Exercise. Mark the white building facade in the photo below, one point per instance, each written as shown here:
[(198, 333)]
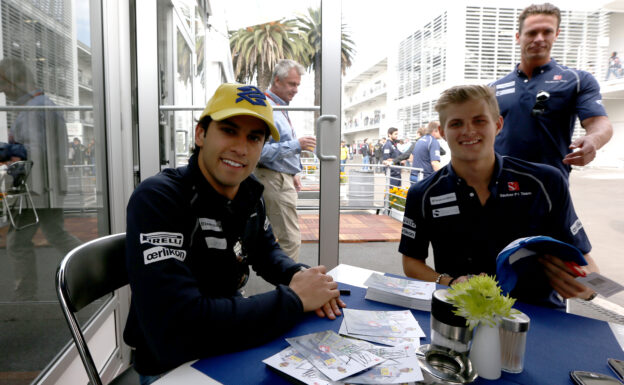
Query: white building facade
[(365, 104), (476, 44)]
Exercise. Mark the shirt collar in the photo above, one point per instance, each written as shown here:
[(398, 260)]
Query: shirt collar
[(544, 68), (276, 98), (22, 100), (498, 169)]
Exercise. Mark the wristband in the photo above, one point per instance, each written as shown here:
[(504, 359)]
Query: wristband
[(440, 277)]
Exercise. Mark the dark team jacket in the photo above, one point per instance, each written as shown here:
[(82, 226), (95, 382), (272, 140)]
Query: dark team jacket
[(187, 251)]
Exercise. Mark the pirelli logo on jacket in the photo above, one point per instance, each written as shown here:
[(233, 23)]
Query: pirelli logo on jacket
[(159, 253), (162, 238)]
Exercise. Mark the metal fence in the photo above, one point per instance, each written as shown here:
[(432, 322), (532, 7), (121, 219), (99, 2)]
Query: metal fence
[(362, 187), (82, 191)]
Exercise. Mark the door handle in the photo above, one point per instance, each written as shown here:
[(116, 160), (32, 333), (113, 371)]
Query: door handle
[(319, 151)]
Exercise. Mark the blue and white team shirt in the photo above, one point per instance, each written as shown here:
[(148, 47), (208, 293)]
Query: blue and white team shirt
[(526, 199), (426, 150), (545, 137)]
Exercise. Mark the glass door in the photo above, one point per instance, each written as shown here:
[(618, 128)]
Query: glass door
[(194, 56)]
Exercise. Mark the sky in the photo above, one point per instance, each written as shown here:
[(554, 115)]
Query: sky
[(83, 25)]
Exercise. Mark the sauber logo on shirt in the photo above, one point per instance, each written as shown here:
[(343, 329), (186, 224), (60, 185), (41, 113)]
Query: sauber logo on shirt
[(163, 238), (557, 77), (408, 233), (210, 224), (159, 253), (506, 91), (445, 211), (440, 199), (576, 227), (513, 186), (216, 243), (505, 85), (409, 222)]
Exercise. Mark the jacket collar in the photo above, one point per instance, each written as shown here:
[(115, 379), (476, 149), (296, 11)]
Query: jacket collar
[(249, 192)]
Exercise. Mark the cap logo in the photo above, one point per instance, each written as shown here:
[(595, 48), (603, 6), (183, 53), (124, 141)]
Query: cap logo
[(251, 94)]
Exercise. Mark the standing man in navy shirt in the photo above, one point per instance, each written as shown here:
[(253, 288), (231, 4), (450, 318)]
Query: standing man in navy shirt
[(541, 99), (390, 152), (426, 152), (480, 202)]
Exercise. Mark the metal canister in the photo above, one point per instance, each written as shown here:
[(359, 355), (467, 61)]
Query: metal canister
[(447, 328), (513, 335)]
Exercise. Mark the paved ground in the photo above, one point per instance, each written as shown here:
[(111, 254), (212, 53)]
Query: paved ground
[(355, 227), (598, 196)]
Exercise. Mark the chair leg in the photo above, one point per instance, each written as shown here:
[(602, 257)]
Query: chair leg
[(30, 202)]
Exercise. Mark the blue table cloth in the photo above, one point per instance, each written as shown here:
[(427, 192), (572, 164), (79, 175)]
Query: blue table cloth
[(557, 343)]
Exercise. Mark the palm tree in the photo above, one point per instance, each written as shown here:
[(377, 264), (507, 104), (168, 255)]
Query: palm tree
[(256, 50), (310, 25)]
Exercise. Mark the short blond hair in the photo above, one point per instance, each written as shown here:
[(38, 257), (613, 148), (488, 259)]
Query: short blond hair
[(462, 94)]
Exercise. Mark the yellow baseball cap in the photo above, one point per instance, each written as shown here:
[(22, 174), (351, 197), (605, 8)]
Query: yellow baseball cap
[(239, 99)]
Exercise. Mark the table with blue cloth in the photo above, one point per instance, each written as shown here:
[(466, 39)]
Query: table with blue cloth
[(557, 343)]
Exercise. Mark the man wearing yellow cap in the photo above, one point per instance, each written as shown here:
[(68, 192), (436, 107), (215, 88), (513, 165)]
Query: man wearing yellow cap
[(193, 232)]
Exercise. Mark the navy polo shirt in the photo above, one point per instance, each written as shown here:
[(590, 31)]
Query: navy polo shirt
[(545, 138), (526, 199), (426, 150)]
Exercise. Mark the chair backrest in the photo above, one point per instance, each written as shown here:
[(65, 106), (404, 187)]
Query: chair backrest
[(19, 171), (85, 274)]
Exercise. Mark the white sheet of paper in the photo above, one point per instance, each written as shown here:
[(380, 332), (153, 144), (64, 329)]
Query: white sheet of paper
[(399, 323), (601, 284), (290, 362), (335, 356), (401, 366), (390, 341), (405, 287)]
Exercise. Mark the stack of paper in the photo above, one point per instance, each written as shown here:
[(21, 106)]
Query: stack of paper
[(382, 327), (325, 358), (400, 292)]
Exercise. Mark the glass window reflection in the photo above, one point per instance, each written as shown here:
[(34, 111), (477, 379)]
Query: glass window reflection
[(47, 118)]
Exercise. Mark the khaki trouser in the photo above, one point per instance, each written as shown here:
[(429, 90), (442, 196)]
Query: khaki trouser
[(280, 198)]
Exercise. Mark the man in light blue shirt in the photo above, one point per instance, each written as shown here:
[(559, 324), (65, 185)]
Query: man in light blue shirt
[(280, 163)]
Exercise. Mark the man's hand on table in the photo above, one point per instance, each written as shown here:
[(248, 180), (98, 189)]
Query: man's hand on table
[(331, 309), (562, 278), (317, 291)]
